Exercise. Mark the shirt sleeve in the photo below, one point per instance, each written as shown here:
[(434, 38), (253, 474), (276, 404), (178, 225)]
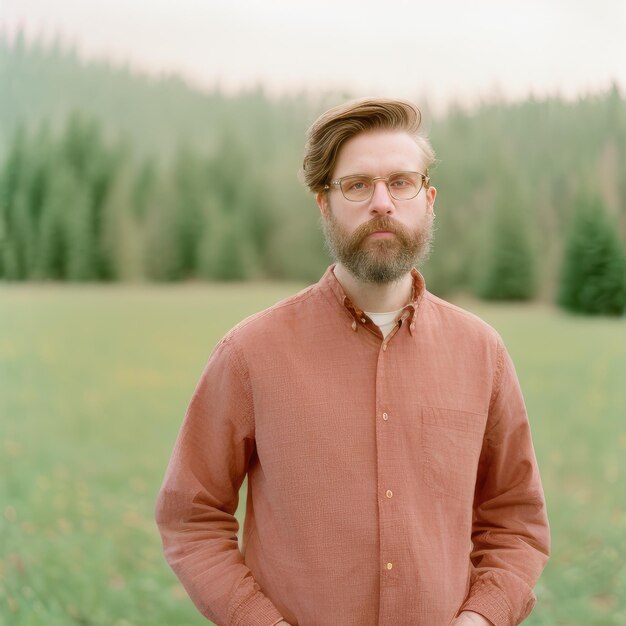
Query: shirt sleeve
[(199, 496), (510, 534)]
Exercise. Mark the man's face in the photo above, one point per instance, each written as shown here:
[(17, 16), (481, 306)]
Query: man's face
[(378, 240)]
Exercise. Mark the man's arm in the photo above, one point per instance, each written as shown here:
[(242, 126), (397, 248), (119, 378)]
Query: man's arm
[(196, 505), (510, 529)]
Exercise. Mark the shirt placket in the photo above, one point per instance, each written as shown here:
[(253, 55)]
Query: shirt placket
[(389, 494), (389, 484)]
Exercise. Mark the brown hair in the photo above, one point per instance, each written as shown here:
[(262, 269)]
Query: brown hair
[(331, 129)]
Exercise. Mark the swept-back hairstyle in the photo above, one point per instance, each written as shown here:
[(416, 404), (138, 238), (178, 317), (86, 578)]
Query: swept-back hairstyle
[(328, 133)]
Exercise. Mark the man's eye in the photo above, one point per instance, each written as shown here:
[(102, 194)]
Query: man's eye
[(358, 185), (399, 182)]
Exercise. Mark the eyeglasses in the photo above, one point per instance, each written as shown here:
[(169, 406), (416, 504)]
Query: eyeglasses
[(401, 185)]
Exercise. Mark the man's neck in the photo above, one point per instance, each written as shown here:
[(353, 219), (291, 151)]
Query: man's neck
[(372, 297)]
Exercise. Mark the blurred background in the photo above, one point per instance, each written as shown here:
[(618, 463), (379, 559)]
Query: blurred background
[(149, 200)]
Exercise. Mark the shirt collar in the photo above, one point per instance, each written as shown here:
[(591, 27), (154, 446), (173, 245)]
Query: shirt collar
[(332, 287)]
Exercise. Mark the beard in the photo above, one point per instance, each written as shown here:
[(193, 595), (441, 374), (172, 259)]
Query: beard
[(378, 260)]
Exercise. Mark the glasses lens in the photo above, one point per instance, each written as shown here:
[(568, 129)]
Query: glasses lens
[(357, 188), (405, 185)]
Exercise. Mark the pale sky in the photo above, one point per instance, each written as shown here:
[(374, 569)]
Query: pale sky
[(437, 51)]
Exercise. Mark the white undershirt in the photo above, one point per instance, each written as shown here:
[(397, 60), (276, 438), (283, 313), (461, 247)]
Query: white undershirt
[(385, 321)]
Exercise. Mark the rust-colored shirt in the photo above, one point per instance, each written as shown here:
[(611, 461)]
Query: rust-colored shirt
[(390, 482)]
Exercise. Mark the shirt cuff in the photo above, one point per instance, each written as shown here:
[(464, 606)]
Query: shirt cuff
[(489, 601), (503, 605), (495, 609), (256, 610)]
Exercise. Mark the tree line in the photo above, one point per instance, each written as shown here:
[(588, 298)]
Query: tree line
[(531, 203), (74, 208)]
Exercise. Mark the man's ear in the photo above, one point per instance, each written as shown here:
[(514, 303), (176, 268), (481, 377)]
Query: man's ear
[(322, 203), (431, 194)]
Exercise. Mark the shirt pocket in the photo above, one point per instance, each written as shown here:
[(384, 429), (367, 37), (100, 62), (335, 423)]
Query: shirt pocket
[(451, 444)]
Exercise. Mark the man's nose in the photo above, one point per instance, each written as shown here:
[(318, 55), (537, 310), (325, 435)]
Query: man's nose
[(381, 201)]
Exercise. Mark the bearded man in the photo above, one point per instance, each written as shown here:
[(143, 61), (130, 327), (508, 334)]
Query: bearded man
[(391, 472)]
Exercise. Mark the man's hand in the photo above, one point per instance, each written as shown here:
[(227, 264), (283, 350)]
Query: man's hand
[(469, 618)]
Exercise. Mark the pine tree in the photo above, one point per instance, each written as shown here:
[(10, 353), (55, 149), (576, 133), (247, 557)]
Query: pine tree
[(231, 257), (162, 257), (11, 189), (189, 189), (94, 167), (52, 249), (41, 158), (508, 272), (593, 273), (82, 261)]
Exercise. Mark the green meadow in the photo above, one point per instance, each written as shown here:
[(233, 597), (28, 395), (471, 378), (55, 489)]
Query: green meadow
[(94, 382)]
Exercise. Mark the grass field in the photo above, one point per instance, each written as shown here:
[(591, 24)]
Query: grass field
[(94, 382)]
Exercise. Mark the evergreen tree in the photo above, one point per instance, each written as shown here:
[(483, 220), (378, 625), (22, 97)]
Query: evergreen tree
[(144, 189), (11, 186), (121, 228), (508, 272), (189, 190), (593, 273), (228, 255), (23, 237), (94, 167), (53, 235), (161, 251), (82, 259), (239, 225), (41, 158)]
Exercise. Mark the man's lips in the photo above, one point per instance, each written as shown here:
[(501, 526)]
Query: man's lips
[(382, 233)]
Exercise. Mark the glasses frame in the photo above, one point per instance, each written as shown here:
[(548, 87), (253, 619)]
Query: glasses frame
[(337, 183)]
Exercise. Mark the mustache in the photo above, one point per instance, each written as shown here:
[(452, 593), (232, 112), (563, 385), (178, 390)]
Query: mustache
[(381, 223)]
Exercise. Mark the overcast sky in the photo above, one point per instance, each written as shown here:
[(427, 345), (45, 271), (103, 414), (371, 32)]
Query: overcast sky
[(439, 51)]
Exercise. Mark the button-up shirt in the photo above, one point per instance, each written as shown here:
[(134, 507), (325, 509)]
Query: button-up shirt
[(390, 480)]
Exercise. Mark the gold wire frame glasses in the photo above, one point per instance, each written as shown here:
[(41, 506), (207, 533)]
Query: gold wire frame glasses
[(401, 185)]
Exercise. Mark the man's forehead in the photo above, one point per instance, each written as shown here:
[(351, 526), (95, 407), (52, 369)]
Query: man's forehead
[(373, 152)]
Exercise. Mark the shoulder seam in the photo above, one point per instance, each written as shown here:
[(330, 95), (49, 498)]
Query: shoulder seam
[(436, 301), (290, 301)]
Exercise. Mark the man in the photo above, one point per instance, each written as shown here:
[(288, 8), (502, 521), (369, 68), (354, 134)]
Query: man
[(391, 474)]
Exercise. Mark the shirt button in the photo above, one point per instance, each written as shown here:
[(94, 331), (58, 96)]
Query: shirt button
[(412, 326), (363, 320), (389, 565), (353, 325), (384, 347), (385, 416), (389, 493)]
